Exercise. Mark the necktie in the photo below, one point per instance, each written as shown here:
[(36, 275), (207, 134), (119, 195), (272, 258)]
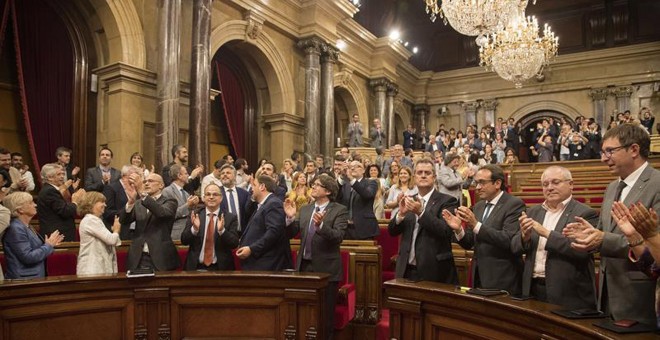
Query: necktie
[(619, 190), (489, 206), (208, 241), (311, 230), (412, 258), (232, 206), (183, 194), (350, 205)]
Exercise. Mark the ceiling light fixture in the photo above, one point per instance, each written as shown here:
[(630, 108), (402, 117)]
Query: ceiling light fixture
[(517, 53), (475, 17)]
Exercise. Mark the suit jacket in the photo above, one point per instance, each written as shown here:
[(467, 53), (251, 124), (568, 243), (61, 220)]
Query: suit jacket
[(115, 200), (354, 132), (182, 211), (325, 242), (190, 187), (222, 244), (25, 252), (433, 251), (365, 224), (153, 225), (243, 198), (55, 213), (569, 274), (629, 291), (408, 139), (266, 236), (94, 178), (450, 182), (97, 253), (497, 267), (377, 137)]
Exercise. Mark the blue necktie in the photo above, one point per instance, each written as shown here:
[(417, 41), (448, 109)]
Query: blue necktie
[(232, 207), (311, 230), (489, 206)]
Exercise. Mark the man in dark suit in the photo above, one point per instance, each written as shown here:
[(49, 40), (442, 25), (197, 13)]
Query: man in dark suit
[(357, 194), (97, 178), (211, 235), (54, 212), (624, 291), (322, 226), (180, 156), (269, 169), (235, 199), (153, 214), (409, 137), (115, 200), (63, 155), (554, 272), (264, 244), (489, 231), (425, 250)]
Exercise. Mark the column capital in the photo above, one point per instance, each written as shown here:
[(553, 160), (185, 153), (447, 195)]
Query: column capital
[(470, 106), (421, 109), (392, 90), (489, 104), (329, 53), (622, 91), (380, 84), (599, 93), (311, 45)]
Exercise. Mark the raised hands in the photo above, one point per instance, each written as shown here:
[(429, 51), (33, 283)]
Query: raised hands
[(467, 216), (318, 218), (194, 218), (116, 226), (192, 201), (197, 171), (636, 219), (289, 208), (452, 220), (55, 238), (221, 223), (585, 236)]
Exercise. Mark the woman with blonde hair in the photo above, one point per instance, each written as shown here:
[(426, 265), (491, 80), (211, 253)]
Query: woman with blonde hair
[(287, 171), (97, 245), (301, 194), (25, 250), (404, 187)]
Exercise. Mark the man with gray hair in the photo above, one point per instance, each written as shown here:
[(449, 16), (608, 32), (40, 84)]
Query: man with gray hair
[(554, 272), (450, 182), (115, 200), (54, 212), (185, 202)]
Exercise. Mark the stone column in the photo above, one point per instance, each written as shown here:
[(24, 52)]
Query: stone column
[(328, 60), (312, 47), (421, 111), (489, 106), (167, 86), (622, 94), (470, 113), (380, 89), (392, 91), (599, 99), (200, 84)]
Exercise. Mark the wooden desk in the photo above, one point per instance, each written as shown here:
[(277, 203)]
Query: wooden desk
[(428, 310), (168, 306)]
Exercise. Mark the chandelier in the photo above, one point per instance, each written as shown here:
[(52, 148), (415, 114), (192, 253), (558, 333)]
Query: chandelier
[(475, 17), (517, 52)]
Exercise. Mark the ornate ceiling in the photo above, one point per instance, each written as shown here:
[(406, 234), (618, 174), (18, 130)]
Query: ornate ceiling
[(581, 25)]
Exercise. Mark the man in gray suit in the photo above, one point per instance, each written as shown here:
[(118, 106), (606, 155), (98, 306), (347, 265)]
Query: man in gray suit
[(354, 132), (489, 231), (185, 202), (153, 213), (98, 177), (555, 272), (322, 226), (377, 135), (451, 182), (624, 291)]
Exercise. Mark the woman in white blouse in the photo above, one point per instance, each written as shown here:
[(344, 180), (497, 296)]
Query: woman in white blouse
[(97, 245), (405, 186)]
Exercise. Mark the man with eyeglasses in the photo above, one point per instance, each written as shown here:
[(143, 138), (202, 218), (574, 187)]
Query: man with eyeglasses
[(624, 291), (357, 194), (153, 214), (185, 202), (236, 199), (425, 252), (554, 272), (490, 229), (322, 226), (210, 234)]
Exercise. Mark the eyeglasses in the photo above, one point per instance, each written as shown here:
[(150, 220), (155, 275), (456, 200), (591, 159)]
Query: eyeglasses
[(554, 182), (483, 182), (318, 185), (609, 151), (212, 194)]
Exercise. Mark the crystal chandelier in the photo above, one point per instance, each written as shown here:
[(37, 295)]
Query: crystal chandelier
[(517, 52), (475, 17)]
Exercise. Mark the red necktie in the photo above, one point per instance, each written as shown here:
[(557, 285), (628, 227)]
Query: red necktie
[(208, 244)]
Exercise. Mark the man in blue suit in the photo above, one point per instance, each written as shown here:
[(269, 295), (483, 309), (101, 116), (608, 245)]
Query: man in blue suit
[(235, 198), (264, 244)]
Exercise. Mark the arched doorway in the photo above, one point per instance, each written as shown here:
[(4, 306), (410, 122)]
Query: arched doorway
[(345, 108), (529, 124)]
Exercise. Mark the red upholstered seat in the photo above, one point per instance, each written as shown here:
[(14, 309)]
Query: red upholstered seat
[(383, 326), (345, 306), (3, 263), (62, 263), (121, 260), (390, 249)]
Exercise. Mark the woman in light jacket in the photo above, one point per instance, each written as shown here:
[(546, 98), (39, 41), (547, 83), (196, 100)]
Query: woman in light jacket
[(97, 245)]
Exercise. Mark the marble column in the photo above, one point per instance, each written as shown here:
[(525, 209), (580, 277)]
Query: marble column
[(167, 85), (599, 99), (392, 91), (200, 84), (622, 94), (328, 60), (380, 89), (312, 47), (470, 112), (489, 106)]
